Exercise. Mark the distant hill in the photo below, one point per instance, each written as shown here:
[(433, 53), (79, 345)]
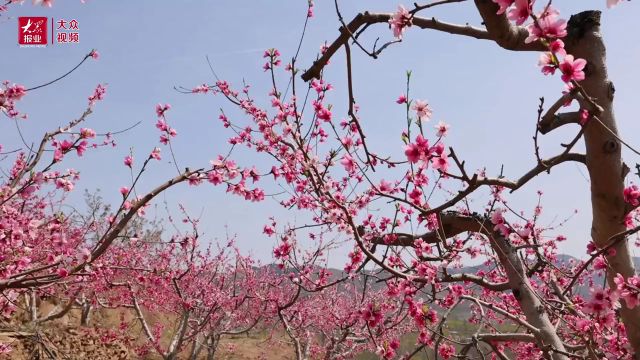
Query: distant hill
[(562, 259)]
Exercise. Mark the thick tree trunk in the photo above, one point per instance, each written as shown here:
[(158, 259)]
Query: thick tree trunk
[(32, 300), (604, 160), (85, 315), (178, 337), (212, 345), (534, 311), (196, 348)]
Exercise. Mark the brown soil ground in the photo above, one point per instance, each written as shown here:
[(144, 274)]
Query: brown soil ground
[(65, 339)]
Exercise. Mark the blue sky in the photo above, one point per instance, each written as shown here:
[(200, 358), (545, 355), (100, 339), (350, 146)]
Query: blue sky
[(488, 95)]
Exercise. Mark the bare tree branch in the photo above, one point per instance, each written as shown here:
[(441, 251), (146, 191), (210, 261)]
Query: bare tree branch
[(367, 19), (476, 280)]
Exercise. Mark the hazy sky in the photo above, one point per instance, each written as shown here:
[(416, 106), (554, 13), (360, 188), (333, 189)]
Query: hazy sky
[(488, 95)]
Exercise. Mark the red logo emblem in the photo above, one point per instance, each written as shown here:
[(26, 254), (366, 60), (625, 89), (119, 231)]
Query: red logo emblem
[(32, 30)]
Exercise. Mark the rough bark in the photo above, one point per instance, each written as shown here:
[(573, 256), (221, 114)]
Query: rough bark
[(534, 311), (604, 160)]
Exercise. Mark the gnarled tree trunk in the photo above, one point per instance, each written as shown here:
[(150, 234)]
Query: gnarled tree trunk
[(604, 160)]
